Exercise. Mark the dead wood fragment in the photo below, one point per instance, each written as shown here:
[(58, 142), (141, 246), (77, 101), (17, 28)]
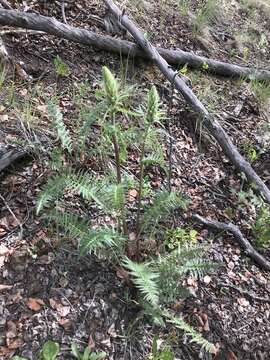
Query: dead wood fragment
[(211, 124), (10, 157), (239, 237), (174, 57), (5, 4), (246, 293)]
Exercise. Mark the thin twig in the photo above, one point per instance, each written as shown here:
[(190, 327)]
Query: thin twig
[(13, 215), (170, 135), (244, 292), (63, 5), (242, 241)]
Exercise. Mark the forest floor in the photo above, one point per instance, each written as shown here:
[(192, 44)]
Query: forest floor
[(46, 290)]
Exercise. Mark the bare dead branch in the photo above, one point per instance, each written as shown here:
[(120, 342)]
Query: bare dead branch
[(174, 57), (5, 4), (211, 124), (239, 237), (11, 157)]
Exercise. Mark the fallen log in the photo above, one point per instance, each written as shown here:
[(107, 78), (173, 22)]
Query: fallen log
[(211, 124), (7, 158), (242, 241), (174, 57)]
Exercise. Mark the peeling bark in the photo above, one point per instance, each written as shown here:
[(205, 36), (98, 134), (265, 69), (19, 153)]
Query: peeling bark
[(174, 57)]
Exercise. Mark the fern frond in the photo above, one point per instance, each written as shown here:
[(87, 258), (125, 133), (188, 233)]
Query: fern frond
[(153, 159), (197, 267), (56, 162), (62, 131), (114, 195), (174, 266), (90, 240), (89, 117), (51, 191), (111, 86), (153, 105), (145, 279), (189, 331), (164, 203), (97, 239)]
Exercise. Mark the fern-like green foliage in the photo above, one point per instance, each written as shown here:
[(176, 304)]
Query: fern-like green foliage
[(88, 117), (164, 203), (153, 105), (160, 282), (52, 190), (189, 331), (111, 86), (62, 131), (90, 240), (145, 279), (172, 267)]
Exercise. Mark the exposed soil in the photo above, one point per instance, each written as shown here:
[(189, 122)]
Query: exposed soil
[(47, 291)]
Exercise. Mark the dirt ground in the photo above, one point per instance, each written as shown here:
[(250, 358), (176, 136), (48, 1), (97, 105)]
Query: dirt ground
[(46, 290)]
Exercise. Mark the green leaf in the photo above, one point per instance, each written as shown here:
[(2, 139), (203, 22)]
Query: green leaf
[(98, 356), (50, 191), (153, 104), (86, 354), (75, 351), (188, 330), (62, 131), (50, 350), (18, 358), (145, 279)]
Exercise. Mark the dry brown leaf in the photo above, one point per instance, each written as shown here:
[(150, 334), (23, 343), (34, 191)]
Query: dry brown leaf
[(15, 344), (243, 301), (35, 304), (231, 356), (4, 350), (62, 310), (132, 195), (122, 273), (11, 330), (4, 250), (65, 323), (91, 343)]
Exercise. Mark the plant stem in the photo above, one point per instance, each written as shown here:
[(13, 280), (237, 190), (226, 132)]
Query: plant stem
[(118, 174), (117, 159), (138, 224), (170, 139)]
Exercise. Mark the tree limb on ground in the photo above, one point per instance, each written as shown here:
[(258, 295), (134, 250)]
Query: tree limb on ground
[(239, 237), (10, 157), (174, 57), (211, 124), (246, 293)]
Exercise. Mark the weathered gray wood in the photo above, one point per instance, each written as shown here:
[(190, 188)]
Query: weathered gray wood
[(206, 119), (242, 241), (10, 157), (108, 43)]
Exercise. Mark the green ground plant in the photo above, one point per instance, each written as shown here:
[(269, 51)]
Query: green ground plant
[(184, 7), (159, 278), (179, 237), (164, 353), (260, 227), (51, 350), (261, 91), (207, 14)]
